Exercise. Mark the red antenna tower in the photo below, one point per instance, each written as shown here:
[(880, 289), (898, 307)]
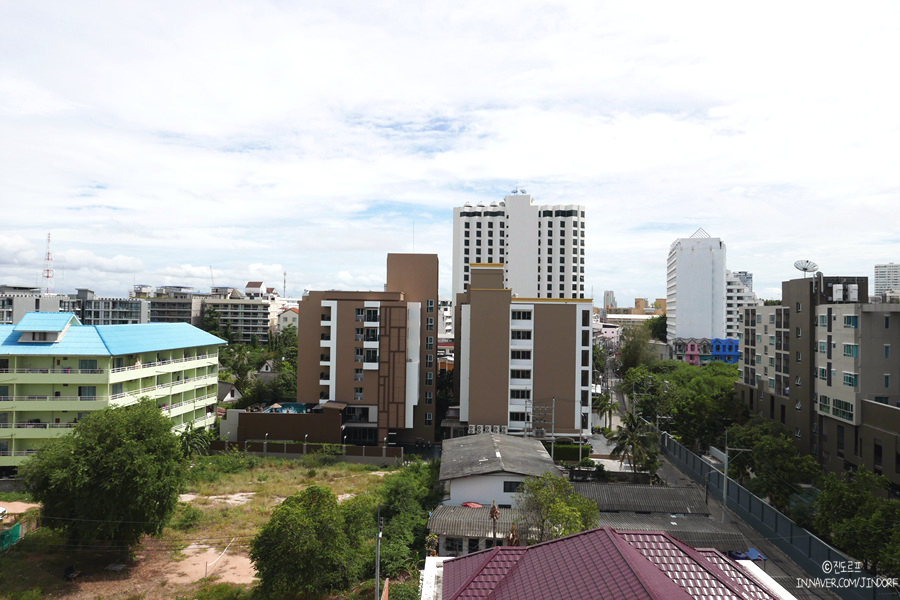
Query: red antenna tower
[(48, 268)]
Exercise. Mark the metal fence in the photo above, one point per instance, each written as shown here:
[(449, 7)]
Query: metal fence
[(804, 548)]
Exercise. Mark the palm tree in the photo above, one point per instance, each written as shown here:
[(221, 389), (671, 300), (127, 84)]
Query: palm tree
[(635, 441)]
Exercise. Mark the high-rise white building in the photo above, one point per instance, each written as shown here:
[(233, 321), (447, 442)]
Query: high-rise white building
[(704, 299), (541, 247), (887, 277), (696, 287), (738, 296)]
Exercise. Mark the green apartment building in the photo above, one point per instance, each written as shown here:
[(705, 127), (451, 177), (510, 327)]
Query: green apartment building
[(54, 371)]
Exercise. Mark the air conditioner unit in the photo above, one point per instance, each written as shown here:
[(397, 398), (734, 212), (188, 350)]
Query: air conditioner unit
[(496, 429), (479, 429), (471, 429), (540, 432), (504, 429)]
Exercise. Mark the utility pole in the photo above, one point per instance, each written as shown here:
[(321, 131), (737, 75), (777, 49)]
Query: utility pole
[(553, 432), (378, 555), (725, 484)]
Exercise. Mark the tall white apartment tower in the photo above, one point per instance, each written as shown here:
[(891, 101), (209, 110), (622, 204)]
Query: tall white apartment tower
[(696, 287), (887, 277), (738, 296), (541, 247)]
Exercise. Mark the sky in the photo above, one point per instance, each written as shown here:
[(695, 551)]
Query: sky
[(181, 143)]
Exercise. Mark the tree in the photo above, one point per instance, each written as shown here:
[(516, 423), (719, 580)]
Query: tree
[(774, 462), (551, 508), (194, 441), (115, 477), (635, 441), (635, 348), (598, 362), (304, 548), (657, 326)]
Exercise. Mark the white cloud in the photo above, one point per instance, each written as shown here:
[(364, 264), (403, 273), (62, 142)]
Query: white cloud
[(261, 137)]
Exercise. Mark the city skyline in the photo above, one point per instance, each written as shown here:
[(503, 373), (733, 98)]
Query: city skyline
[(156, 141)]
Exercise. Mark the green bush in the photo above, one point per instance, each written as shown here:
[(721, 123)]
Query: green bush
[(186, 516), (568, 452)]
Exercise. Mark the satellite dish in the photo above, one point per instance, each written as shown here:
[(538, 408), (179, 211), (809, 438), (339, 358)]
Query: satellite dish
[(807, 266)]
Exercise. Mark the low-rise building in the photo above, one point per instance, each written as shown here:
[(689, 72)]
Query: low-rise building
[(54, 370), (490, 467)]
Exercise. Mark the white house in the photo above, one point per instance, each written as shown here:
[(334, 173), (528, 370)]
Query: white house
[(489, 467)]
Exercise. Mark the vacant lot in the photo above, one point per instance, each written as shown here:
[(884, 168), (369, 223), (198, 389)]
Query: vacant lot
[(225, 502)]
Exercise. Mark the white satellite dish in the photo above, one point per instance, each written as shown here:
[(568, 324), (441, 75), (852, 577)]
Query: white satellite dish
[(807, 266)]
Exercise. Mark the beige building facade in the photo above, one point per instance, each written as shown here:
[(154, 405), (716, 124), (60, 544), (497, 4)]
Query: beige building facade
[(372, 354), (522, 364)]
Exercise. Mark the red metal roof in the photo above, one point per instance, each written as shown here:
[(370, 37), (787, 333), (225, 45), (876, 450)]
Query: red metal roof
[(601, 563)]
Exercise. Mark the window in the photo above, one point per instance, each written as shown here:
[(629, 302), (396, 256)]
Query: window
[(520, 354), (520, 394), (799, 332), (429, 343), (799, 356), (87, 365), (520, 334), (851, 379), (887, 350), (823, 320), (851, 321), (823, 373), (511, 487), (822, 348), (887, 321), (843, 409), (371, 355), (87, 392), (429, 419), (824, 404), (521, 315), (887, 380), (520, 374), (429, 397), (798, 381), (429, 378), (430, 306), (429, 360), (116, 389), (429, 324), (4, 391), (453, 546), (851, 350), (771, 340), (799, 307), (517, 416)]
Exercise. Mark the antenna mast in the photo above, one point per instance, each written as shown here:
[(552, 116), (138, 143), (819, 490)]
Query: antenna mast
[(284, 287), (48, 269)]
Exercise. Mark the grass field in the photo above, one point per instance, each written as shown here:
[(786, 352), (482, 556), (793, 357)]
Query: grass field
[(234, 497)]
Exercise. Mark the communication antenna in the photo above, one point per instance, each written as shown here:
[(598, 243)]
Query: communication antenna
[(284, 287), (807, 266), (48, 269)]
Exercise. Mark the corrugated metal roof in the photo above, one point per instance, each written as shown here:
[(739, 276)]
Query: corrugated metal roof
[(493, 453), (45, 321), (461, 521), (612, 497), (109, 340), (698, 532)]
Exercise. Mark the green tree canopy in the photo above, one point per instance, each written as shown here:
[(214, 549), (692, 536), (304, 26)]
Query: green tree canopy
[(116, 477), (305, 547), (657, 326), (551, 509), (635, 348), (774, 463)]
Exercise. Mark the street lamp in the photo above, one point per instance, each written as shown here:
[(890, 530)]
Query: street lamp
[(266, 443), (345, 444), (725, 484), (305, 436)]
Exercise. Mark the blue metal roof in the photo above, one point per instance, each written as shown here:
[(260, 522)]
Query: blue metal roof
[(46, 321), (108, 340)]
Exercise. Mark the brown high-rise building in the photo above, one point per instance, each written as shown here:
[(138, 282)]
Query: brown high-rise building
[(824, 364), (523, 365), (372, 354)]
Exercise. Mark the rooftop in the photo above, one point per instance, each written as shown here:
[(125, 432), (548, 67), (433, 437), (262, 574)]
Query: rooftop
[(494, 453), (102, 340), (601, 563), (612, 497)]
